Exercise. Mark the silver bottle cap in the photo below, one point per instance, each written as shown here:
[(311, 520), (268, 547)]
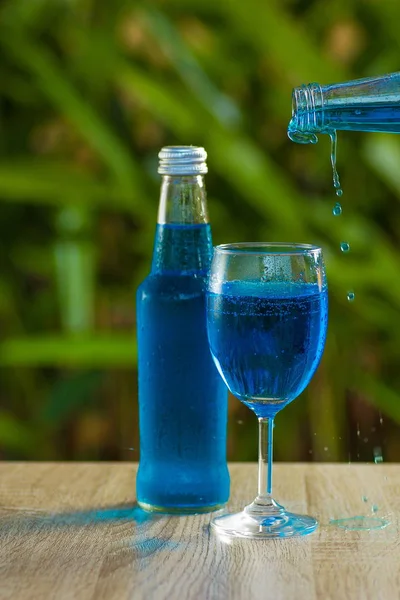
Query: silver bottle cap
[(182, 160)]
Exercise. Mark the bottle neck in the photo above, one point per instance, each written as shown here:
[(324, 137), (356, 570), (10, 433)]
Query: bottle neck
[(307, 114), (183, 200), (183, 244)]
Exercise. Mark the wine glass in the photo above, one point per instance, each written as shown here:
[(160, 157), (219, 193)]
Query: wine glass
[(267, 314)]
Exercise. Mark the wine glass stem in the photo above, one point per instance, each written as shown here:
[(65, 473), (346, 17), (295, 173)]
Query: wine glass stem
[(265, 439)]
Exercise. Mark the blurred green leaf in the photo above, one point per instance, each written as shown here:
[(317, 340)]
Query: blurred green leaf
[(220, 106), (382, 153), (14, 434), (169, 107), (117, 350), (70, 395), (56, 87), (381, 395), (269, 28), (52, 182)]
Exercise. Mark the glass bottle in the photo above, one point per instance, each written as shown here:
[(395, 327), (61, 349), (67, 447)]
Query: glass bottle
[(182, 398), (370, 104)]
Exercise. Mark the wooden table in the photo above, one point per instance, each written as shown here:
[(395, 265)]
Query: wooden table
[(73, 531)]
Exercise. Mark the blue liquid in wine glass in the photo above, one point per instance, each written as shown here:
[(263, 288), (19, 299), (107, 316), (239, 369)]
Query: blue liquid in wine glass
[(267, 339)]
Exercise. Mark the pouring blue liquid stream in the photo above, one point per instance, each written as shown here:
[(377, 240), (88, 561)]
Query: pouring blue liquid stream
[(372, 105)]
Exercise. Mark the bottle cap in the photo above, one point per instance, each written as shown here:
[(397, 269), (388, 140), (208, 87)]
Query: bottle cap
[(182, 160)]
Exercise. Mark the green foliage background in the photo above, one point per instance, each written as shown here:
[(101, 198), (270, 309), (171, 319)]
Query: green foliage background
[(90, 90)]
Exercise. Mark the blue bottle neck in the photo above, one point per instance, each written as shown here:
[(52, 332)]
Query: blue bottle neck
[(183, 244), (371, 104)]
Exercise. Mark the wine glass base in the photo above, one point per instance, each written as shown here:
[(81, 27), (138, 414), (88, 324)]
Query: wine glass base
[(242, 525)]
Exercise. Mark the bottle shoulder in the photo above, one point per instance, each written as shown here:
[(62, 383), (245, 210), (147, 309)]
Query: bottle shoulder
[(172, 284)]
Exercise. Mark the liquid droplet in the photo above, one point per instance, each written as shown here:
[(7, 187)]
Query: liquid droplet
[(374, 508), (378, 458), (358, 112), (337, 209), (339, 192), (300, 137), (364, 498), (350, 296), (345, 247)]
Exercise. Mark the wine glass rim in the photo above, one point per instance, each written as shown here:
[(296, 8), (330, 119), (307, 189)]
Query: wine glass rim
[(267, 248)]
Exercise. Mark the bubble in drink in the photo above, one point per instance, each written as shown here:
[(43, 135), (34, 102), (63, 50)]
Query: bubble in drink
[(345, 247), (350, 296)]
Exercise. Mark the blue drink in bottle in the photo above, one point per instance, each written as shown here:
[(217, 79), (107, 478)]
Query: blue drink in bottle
[(182, 398)]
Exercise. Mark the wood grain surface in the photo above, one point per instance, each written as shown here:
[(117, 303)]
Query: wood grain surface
[(73, 531)]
